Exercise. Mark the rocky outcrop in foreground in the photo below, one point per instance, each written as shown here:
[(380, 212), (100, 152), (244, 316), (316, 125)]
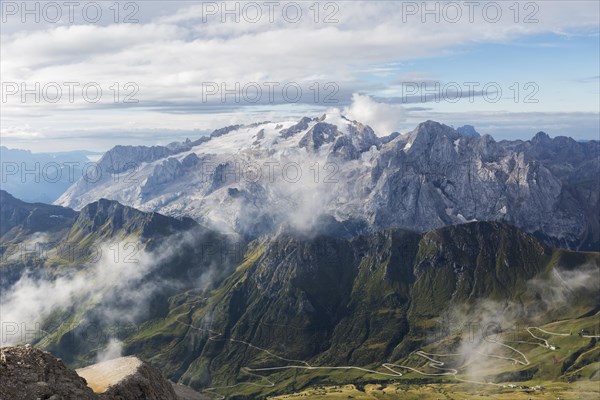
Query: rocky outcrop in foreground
[(28, 373), (127, 378)]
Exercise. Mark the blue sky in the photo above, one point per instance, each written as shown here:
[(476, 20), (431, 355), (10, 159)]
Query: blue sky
[(565, 68), (175, 50)]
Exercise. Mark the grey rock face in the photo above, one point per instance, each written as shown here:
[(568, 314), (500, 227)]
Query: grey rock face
[(224, 131), (190, 161), (299, 127), (27, 373), (165, 172), (124, 158), (344, 149), (318, 135), (443, 178), (362, 136), (468, 130), (424, 179)]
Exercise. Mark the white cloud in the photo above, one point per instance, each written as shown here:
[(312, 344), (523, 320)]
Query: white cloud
[(383, 118), (114, 349), (171, 54), (170, 61), (20, 132)]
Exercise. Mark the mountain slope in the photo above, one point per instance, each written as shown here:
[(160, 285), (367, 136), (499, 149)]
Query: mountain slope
[(18, 218), (107, 267), (331, 303), (291, 310), (45, 234)]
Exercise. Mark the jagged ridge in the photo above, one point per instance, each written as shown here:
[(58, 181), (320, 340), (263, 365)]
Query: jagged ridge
[(421, 180)]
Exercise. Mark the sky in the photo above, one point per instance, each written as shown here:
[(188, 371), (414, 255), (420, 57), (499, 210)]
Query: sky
[(93, 75)]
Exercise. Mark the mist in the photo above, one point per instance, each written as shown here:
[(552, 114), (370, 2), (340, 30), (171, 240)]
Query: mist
[(119, 288), (114, 349), (488, 330)]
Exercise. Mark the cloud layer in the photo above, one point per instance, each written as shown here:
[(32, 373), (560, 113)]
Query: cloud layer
[(172, 55)]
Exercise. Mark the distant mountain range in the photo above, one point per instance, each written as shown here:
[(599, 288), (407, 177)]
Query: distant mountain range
[(41, 176), (254, 179)]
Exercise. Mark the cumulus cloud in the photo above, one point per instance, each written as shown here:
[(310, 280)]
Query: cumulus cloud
[(383, 118)]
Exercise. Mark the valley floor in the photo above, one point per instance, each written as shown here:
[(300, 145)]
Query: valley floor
[(553, 391)]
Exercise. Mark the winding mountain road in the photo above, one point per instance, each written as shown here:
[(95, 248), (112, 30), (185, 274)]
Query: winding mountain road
[(392, 369)]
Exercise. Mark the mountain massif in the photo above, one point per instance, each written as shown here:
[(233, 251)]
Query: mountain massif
[(253, 179)]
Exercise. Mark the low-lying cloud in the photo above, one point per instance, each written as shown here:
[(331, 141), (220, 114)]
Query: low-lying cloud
[(489, 330), (118, 288)]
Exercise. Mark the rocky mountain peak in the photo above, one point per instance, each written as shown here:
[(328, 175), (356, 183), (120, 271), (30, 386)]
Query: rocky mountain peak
[(318, 135), (432, 129), (111, 216), (31, 217), (427, 178), (102, 211), (541, 137), (468, 130), (298, 127)]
